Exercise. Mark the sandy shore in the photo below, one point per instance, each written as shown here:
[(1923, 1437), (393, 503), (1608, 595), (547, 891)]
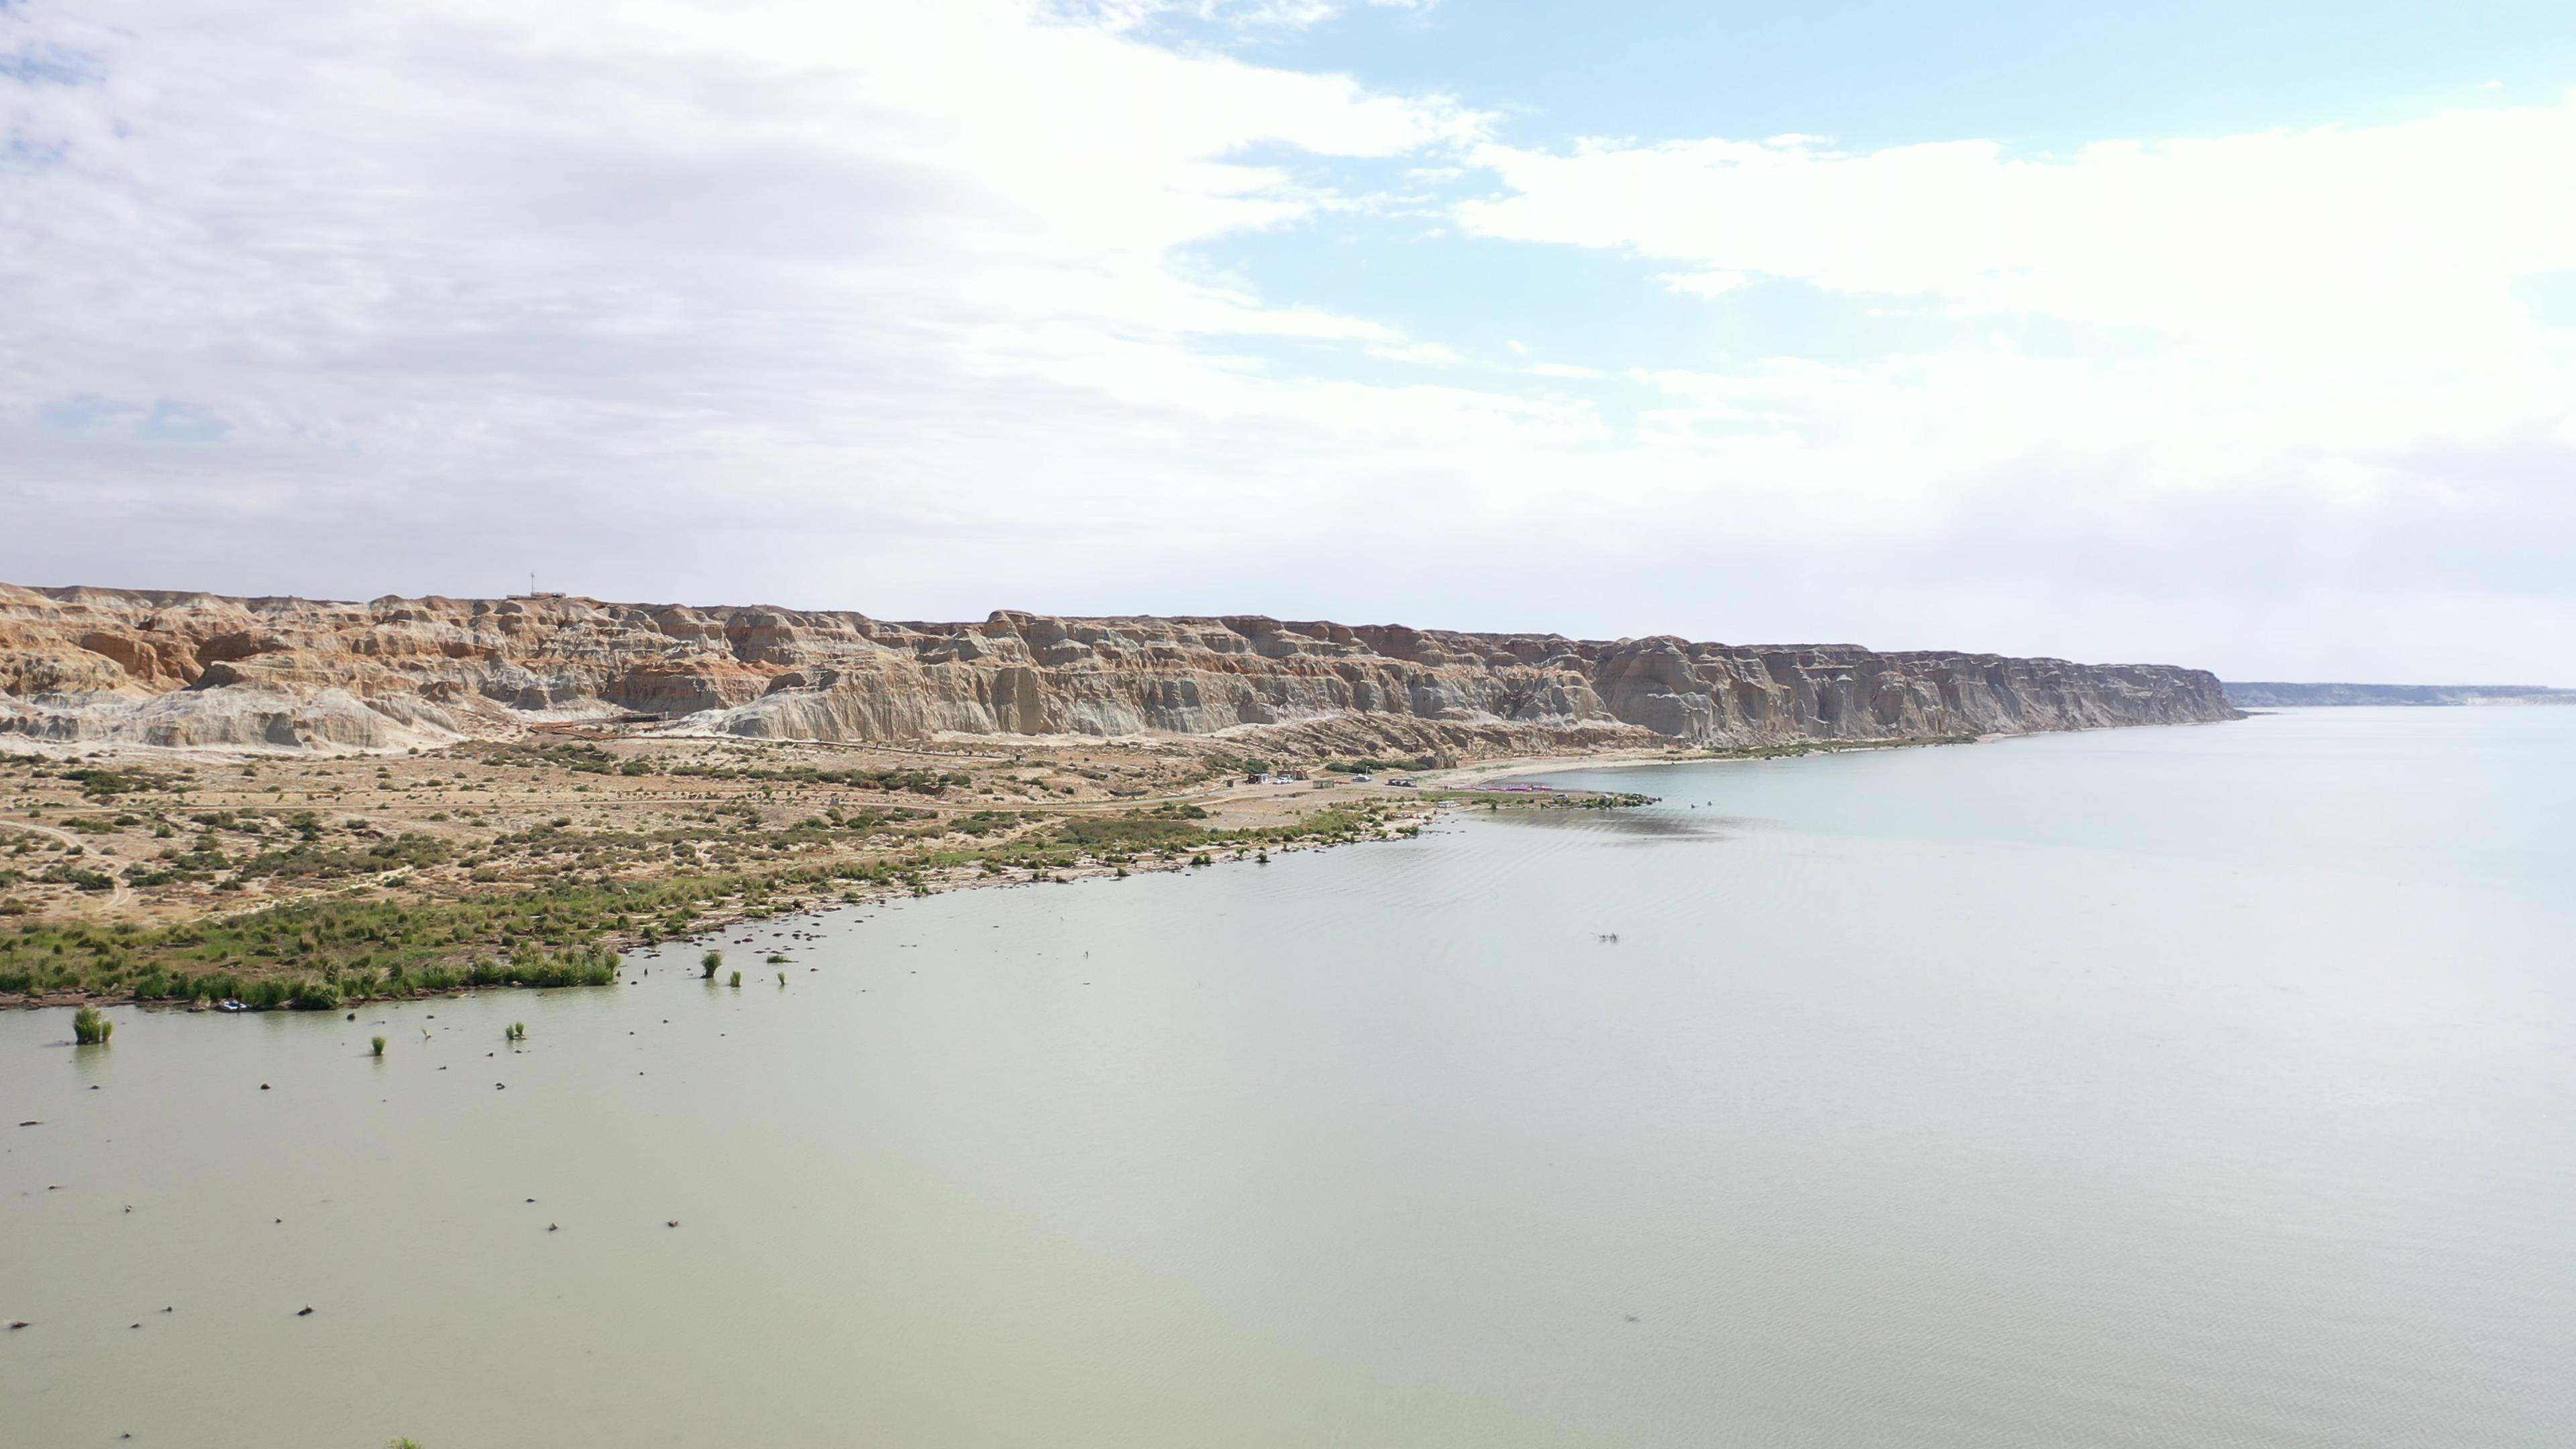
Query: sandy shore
[(127, 865)]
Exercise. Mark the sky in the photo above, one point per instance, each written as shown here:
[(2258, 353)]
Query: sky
[(2232, 335)]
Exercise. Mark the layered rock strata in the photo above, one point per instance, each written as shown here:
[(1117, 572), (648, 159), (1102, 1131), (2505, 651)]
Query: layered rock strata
[(185, 669)]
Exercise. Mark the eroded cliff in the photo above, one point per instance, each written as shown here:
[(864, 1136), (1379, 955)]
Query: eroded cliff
[(186, 669)]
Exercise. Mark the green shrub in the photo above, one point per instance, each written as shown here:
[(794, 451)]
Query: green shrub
[(91, 1029), (378, 1043), (1132, 831)]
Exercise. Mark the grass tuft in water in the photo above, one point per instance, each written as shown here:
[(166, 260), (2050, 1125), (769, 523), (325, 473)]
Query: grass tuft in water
[(91, 1029), (709, 962), (314, 996), (378, 1043), (518, 1032), (736, 981)]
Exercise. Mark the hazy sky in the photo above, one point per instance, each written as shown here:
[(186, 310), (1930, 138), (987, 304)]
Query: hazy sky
[(2233, 334)]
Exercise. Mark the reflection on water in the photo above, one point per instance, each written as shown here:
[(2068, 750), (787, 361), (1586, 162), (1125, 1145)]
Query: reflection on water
[(1621, 825), (2181, 1087)]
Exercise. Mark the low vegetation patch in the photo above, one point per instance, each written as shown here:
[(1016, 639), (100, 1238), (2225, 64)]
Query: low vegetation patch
[(101, 784), (918, 782), (270, 895)]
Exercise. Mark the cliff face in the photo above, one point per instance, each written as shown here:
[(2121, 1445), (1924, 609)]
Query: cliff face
[(115, 665)]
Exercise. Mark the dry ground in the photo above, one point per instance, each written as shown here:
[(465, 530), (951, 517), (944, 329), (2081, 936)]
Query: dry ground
[(182, 875)]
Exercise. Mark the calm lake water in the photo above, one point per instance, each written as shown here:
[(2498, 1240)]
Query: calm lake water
[(2199, 1087)]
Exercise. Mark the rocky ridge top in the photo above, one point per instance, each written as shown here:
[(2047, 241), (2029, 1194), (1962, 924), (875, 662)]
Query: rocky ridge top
[(180, 669)]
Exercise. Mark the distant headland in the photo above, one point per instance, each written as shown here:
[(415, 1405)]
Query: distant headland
[(2245, 694)]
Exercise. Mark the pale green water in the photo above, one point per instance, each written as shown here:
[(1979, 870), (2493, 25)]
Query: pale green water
[(2160, 1087)]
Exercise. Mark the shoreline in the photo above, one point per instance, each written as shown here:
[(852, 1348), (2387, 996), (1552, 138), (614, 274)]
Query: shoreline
[(1516, 767), (1407, 817), (1794, 749), (558, 925)]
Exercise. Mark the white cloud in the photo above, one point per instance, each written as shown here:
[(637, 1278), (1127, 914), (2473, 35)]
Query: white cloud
[(1702, 284), (459, 240), (899, 307), (1421, 354), (1132, 15), (2390, 238)]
